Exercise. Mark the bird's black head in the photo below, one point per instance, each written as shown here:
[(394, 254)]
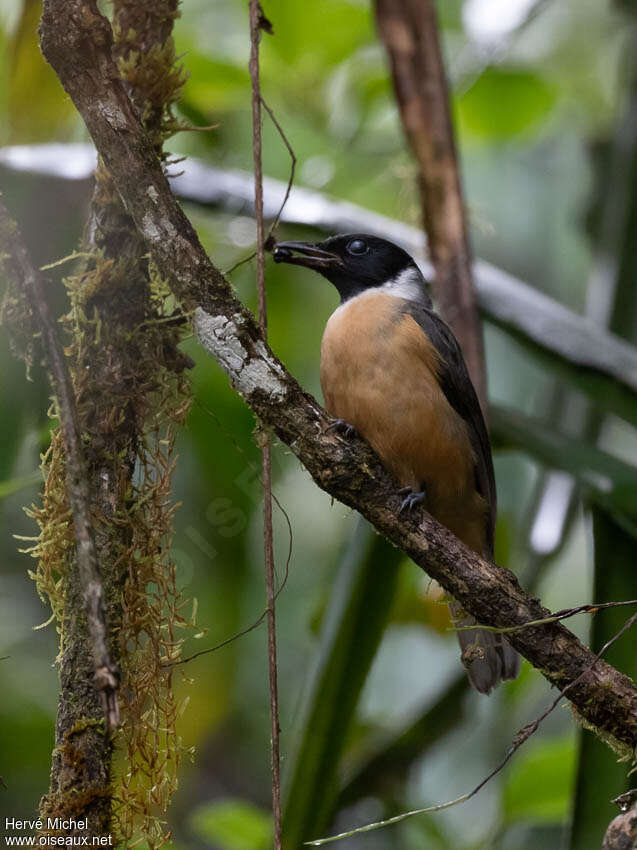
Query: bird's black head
[(356, 262)]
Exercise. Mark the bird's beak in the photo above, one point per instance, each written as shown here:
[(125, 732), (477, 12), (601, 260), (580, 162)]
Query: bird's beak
[(305, 254)]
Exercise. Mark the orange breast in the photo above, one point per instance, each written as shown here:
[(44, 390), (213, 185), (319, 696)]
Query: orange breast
[(379, 373)]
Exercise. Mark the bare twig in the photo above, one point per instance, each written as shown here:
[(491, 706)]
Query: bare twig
[(210, 649), (625, 800), (260, 618), (564, 614), (28, 279), (522, 736), (76, 39), (410, 33), (290, 183), (257, 20), (277, 218)]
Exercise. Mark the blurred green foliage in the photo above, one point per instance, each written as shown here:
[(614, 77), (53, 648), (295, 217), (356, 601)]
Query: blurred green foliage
[(529, 99), (233, 825), (501, 104), (542, 785)]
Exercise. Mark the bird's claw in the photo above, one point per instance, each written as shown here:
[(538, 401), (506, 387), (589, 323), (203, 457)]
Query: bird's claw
[(342, 427), (411, 499)]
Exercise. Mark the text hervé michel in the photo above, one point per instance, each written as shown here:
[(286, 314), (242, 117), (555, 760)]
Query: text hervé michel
[(54, 825)]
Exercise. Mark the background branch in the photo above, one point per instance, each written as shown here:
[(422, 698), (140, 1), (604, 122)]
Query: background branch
[(409, 30), (76, 40), (595, 361), (26, 278)]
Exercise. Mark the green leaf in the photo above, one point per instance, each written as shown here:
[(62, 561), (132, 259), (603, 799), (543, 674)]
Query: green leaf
[(503, 103), (354, 624), (391, 760), (50, 113), (215, 85), (450, 14), (343, 28), (233, 824), (540, 786)]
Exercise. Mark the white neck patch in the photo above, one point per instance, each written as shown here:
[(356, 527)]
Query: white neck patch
[(408, 284)]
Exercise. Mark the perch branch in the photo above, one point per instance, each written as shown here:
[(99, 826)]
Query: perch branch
[(27, 279), (76, 40)]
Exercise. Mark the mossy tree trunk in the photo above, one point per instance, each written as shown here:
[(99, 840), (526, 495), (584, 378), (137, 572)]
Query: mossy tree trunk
[(124, 364)]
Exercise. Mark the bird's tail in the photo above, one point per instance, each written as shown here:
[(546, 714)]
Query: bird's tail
[(488, 657)]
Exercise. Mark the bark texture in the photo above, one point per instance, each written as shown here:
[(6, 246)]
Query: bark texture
[(26, 278), (96, 695), (622, 832), (76, 39), (116, 370)]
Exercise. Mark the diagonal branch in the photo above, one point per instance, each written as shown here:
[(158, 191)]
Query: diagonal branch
[(76, 40), (27, 279)]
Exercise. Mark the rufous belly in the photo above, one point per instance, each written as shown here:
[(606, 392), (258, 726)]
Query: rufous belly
[(379, 373)]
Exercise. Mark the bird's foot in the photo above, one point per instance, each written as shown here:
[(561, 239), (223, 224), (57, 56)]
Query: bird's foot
[(412, 498), (342, 427)]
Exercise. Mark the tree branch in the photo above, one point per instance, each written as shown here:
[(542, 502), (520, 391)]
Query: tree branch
[(622, 830), (25, 278), (595, 361), (76, 39), (410, 32)]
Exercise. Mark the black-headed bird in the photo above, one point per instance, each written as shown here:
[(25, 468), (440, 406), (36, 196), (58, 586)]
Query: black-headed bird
[(392, 370)]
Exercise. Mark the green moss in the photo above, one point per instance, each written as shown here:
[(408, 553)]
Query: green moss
[(122, 330), (622, 750), (86, 723)]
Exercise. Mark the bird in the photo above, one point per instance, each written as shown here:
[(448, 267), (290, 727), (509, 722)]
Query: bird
[(392, 371)]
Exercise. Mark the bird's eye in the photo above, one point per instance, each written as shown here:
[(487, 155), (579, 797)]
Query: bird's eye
[(357, 246)]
